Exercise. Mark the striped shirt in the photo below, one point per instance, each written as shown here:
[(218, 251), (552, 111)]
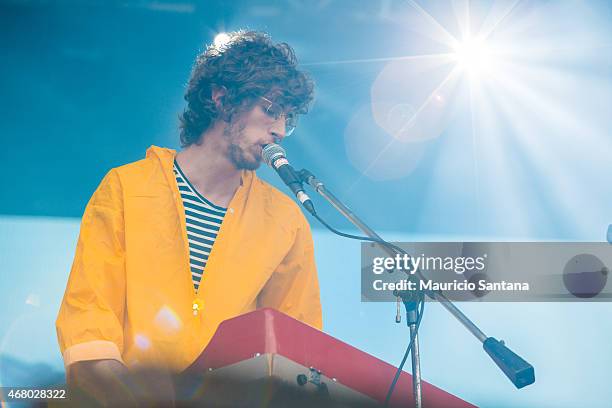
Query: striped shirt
[(203, 220)]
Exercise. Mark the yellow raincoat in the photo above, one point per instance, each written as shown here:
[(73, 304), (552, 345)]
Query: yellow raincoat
[(130, 294)]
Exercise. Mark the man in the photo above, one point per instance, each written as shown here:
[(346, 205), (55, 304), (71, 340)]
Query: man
[(172, 245)]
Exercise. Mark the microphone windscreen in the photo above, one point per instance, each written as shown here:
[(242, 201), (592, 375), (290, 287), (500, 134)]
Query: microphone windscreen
[(272, 151)]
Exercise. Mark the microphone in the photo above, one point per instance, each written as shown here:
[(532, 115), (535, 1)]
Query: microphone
[(275, 157)]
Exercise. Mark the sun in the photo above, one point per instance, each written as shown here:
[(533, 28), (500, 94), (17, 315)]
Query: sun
[(473, 55)]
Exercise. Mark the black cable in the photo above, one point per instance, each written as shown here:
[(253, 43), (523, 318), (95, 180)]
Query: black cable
[(359, 237), (407, 353)]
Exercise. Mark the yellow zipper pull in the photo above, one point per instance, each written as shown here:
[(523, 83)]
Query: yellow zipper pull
[(197, 306)]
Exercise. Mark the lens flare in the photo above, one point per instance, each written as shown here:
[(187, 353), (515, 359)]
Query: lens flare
[(142, 341), (167, 320), (221, 39)]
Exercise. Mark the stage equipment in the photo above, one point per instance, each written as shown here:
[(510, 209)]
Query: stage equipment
[(276, 157), (268, 359), (519, 371)]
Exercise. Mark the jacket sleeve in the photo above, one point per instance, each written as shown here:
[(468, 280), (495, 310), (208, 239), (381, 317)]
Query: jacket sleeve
[(90, 321), (293, 287)]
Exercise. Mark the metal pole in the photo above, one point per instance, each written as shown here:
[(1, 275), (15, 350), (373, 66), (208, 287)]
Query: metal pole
[(412, 317), (416, 369)]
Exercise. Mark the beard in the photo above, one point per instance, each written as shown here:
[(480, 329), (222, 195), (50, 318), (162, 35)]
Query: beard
[(243, 157)]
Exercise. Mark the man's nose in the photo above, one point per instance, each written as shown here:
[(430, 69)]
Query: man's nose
[(278, 129)]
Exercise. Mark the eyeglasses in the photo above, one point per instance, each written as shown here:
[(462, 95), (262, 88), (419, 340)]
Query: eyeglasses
[(275, 111)]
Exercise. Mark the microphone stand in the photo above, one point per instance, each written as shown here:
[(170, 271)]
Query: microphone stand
[(411, 303), (519, 371)]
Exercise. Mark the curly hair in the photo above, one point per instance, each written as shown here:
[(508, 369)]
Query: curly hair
[(248, 65)]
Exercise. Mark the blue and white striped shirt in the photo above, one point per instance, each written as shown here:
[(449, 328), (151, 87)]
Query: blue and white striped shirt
[(203, 220)]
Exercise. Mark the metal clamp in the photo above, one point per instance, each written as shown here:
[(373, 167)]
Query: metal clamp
[(314, 377)]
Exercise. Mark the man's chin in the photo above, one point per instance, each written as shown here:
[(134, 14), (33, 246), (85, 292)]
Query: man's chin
[(248, 165), (241, 162)]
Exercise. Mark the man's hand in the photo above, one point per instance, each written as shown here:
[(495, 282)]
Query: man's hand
[(102, 380), (110, 383)]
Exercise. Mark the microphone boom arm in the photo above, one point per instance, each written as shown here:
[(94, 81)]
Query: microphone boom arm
[(519, 371)]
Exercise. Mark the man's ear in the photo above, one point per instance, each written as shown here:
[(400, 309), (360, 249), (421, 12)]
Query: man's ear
[(218, 93)]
